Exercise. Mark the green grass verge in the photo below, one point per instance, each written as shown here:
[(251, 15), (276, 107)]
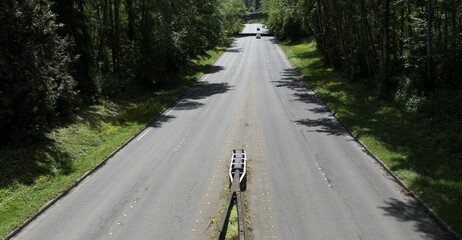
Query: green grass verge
[(233, 225), (34, 173), (422, 148)]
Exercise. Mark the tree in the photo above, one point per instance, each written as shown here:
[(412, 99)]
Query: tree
[(36, 84), (386, 46), (429, 83), (233, 14), (70, 14), (404, 47)]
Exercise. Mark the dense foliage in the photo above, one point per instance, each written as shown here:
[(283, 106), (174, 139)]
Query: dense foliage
[(57, 55), (252, 5), (407, 49), (34, 68), (231, 11)]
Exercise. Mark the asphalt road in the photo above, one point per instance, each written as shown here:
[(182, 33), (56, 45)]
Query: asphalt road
[(308, 179)]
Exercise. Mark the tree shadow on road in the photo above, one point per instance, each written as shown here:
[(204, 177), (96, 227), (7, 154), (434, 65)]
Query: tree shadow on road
[(412, 212), (413, 145), (187, 104), (201, 91), (161, 120), (205, 89), (214, 69), (324, 125), (234, 50), (291, 79)]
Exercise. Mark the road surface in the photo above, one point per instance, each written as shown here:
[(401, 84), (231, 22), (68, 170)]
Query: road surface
[(308, 178)]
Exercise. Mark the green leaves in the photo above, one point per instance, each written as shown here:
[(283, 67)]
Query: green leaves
[(232, 14), (36, 85), (57, 54), (380, 41)]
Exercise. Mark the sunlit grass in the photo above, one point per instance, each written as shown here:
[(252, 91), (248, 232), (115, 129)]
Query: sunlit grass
[(233, 224), (421, 150), (33, 173)]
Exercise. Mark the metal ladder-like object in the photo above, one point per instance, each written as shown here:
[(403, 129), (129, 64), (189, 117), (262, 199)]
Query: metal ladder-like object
[(238, 171)]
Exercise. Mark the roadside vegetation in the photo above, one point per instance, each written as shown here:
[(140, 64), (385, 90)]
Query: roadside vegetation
[(60, 56), (390, 70), (79, 78), (232, 232), (421, 146), (32, 173)]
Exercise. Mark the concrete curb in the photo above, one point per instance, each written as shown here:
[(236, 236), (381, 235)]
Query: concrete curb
[(106, 159), (451, 234)]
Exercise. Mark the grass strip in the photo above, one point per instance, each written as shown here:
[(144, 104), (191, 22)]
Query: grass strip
[(233, 228), (422, 148), (33, 173)]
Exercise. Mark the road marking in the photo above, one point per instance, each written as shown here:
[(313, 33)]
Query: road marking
[(221, 59), (206, 76), (149, 129)]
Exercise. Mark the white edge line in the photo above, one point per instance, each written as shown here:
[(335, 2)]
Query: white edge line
[(206, 76), (221, 59), (149, 129), (64, 193)]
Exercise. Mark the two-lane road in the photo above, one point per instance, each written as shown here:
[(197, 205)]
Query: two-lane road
[(308, 178)]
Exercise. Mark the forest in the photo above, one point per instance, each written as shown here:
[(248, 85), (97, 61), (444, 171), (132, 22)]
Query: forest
[(408, 50), (58, 56), (390, 71)]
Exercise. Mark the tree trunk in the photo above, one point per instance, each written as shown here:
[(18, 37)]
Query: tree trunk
[(454, 44), (341, 35), (114, 22), (386, 46), (429, 84), (102, 58), (321, 30), (366, 39), (402, 30), (131, 21), (115, 48), (409, 19)]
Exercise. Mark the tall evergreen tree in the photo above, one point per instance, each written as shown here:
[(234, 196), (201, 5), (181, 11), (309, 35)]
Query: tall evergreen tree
[(35, 60)]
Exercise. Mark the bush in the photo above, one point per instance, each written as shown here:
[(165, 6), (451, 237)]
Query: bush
[(408, 95)]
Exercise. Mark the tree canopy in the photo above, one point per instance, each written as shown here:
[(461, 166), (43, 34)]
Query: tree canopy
[(408, 49), (59, 54)]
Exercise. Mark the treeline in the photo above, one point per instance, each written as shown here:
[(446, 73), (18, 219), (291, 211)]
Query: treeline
[(408, 49), (58, 55), (252, 5)]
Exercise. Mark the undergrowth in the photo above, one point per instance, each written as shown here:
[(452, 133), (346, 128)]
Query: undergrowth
[(33, 173), (419, 139)]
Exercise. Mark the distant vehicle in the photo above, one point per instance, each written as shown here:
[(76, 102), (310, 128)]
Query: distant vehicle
[(258, 36), (258, 29)]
